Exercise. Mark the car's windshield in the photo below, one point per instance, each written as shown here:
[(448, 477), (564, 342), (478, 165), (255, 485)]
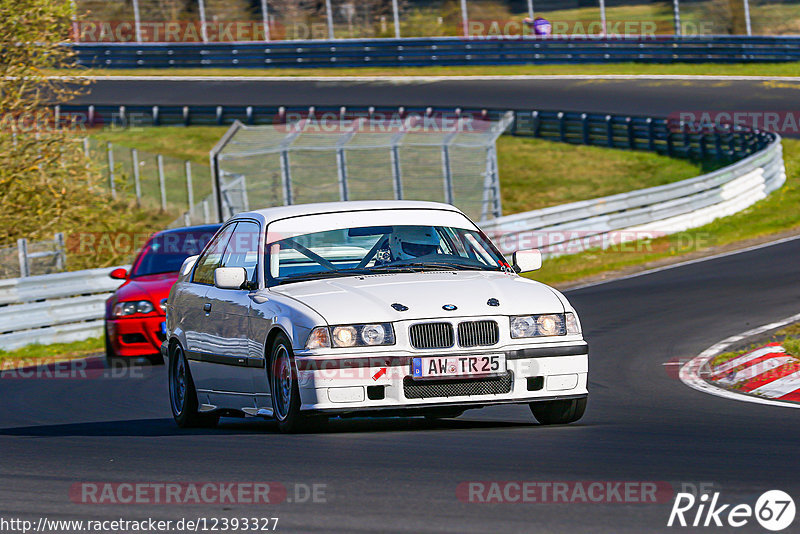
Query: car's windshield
[(374, 249), (165, 253)]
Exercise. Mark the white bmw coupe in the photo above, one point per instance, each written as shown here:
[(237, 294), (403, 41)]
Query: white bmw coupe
[(299, 313)]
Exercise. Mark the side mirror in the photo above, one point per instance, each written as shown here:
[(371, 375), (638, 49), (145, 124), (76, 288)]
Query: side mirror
[(230, 277), (525, 261), (119, 274)]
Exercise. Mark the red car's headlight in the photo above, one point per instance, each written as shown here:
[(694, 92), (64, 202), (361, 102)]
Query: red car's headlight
[(123, 309)]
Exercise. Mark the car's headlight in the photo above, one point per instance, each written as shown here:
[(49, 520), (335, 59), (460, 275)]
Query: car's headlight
[(551, 324), (122, 309), (356, 335)]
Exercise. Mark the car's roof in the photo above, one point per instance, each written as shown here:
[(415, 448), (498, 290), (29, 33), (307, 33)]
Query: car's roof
[(297, 210), (190, 229)]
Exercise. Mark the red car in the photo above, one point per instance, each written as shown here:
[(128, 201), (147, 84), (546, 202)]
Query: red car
[(135, 318)]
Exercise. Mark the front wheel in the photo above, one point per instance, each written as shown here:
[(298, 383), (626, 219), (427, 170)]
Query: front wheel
[(285, 391), (558, 412), (182, 394)]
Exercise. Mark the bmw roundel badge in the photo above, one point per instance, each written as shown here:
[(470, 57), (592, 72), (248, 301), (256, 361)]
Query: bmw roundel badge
[(449, 307)]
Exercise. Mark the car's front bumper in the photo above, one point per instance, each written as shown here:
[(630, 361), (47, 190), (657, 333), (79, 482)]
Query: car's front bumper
[(383, 382), (136, 336)]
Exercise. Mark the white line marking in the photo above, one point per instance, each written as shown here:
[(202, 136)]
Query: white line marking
[(779, 387), (690, 372), (756, 370), (415, 79)]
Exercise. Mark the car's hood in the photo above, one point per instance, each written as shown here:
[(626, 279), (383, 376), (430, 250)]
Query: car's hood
[(153, 287), (366, 299)]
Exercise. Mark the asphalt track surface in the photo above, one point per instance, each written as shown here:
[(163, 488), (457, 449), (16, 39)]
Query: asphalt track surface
[(657, 97), (401, 475)]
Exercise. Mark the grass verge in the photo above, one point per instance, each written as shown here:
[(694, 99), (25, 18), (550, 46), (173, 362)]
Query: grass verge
[(39, 354), (681, 69)]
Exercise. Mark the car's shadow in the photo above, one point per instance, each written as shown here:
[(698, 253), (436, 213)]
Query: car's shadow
[(166, 427)]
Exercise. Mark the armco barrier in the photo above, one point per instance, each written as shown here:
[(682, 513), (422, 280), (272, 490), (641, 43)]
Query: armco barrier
[(440, 51), (54, 308), (655, 211)]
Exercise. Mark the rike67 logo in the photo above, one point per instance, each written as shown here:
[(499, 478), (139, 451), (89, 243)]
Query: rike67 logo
[(774, 510)]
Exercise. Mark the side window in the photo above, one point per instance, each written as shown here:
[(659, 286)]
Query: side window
[(211, 259), (242, 249)]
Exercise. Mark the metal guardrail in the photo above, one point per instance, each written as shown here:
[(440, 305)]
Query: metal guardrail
[(646, 213), (55, 308), (440, 51)]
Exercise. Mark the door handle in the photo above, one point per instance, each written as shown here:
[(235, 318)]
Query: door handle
[(207, 307)]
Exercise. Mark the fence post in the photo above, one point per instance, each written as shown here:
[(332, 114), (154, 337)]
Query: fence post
[(609, 131), (286, 174), (397, 177), (189, 188), (206, 212), (562, 127), (447, 173), (137, 21), (161, 182), (537, 124), (110, 154), (464, 18), (22, 253), (329, 15), (265, 19), (137, 186), (203, 30), (396, 15), (603, 16), (631, 133), (651, 134), (747, 18), (676, 14), (585, 129), (61, 253), (341, 164)]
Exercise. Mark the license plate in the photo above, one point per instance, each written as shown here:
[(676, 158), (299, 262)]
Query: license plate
[(458, 366)]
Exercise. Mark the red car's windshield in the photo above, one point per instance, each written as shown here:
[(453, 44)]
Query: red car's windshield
[(165, 252)]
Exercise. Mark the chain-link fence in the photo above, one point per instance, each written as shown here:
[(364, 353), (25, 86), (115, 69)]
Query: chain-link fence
[(318, 159), (157, 182), (265, 20)]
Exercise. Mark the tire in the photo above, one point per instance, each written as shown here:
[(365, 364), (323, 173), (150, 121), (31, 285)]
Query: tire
[(285, 392), (182, 394), (558, 412)]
